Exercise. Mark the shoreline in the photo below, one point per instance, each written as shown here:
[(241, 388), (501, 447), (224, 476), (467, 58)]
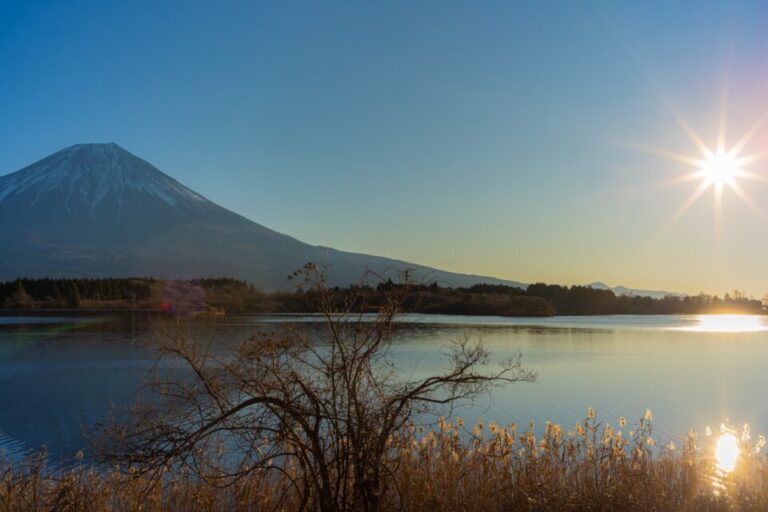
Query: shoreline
[(46, 312)]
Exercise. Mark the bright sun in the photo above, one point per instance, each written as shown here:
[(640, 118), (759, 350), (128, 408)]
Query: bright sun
[(717, 169), (720, 168)]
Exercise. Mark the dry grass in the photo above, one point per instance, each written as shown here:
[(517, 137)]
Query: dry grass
[(486, 468)]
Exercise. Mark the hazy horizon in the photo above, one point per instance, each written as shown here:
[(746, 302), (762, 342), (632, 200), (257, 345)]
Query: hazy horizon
[(508, 139)]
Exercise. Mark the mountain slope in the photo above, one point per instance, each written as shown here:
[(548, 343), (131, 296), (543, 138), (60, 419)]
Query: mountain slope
[(95, 210), (634, 292)]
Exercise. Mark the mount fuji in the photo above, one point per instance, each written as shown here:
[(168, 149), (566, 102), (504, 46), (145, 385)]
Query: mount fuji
[(96, 210)]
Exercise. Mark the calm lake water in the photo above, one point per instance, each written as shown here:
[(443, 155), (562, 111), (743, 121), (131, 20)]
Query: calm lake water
[(58, 376)]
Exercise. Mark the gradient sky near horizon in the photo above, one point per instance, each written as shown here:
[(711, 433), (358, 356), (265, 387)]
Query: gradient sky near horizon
[(495, 138)]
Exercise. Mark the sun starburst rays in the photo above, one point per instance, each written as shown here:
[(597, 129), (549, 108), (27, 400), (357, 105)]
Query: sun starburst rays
[(750, 202), (719, 168), (679, 213), (693, 136), (750, 134)]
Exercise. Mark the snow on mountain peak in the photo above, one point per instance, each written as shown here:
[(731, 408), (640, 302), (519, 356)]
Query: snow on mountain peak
[(89, 172)]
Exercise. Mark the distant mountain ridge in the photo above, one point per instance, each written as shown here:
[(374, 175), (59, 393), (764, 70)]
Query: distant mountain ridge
[(95, 210), (634, 292)]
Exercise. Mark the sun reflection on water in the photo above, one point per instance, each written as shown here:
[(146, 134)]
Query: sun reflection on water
[(727, 452), (727, 323)]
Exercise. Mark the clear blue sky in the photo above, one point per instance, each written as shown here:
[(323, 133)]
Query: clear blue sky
[(484, 137)]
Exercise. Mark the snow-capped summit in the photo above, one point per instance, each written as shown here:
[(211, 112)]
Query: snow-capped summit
[(97, 210), (92, 173)]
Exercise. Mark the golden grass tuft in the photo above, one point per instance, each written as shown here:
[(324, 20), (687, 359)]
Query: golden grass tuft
[(488, 467)]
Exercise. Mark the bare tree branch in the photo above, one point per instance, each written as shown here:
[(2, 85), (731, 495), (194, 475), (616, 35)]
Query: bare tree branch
[(320, 409)]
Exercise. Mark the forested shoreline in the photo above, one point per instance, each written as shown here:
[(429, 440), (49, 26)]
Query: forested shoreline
[(231, 296)]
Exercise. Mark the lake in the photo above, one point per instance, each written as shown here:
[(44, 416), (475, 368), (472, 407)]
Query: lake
[(61, 375)]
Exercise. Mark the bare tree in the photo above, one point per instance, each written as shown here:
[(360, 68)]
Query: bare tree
[(318, 410)]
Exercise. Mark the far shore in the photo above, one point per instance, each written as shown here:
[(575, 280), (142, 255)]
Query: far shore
[(77, 312), (227, 296)]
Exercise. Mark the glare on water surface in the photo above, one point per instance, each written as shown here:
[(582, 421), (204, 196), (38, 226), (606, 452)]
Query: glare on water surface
[(727, 452), (727, 323)]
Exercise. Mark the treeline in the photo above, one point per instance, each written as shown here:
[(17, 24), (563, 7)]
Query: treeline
[(542, 299), (225, 295), (70, 293), (584, 300), (134, 293)]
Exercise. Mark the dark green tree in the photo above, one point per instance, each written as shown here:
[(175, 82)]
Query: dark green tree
[(20, 298), (73, 298)]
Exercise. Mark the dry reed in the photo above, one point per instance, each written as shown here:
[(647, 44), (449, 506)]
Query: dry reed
[(593, 466)]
